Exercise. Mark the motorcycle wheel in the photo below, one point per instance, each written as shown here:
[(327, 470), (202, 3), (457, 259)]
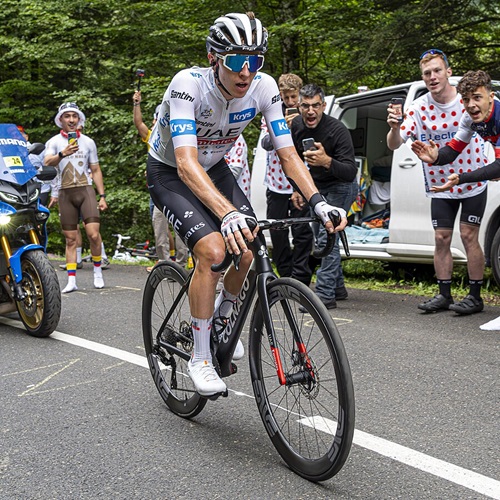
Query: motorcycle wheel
[(40, 311)]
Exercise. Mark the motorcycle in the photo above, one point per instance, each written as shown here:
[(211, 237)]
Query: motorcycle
[(28, 282)]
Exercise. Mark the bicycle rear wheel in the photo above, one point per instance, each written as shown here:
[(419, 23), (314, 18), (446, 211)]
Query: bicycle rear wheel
[(310, 418), (168, 339)]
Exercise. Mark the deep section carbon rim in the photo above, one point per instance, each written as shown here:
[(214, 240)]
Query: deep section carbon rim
[(310, 418)]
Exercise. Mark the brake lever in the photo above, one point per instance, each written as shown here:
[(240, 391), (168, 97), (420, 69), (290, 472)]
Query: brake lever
[(336, 220)]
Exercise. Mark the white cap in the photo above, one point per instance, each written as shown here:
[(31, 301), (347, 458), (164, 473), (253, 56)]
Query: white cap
[(67, 107)]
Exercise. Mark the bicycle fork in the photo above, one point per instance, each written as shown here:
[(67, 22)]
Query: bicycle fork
[(306, 374)]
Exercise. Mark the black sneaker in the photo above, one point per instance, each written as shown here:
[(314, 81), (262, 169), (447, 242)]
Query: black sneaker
[(437, 303), (341, 293), (329, 304), (469, 305)]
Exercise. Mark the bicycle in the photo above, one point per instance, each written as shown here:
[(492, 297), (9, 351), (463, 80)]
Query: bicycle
[(142, 252), (300, 372)]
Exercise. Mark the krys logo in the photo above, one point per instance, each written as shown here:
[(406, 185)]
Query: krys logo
[(242, 116), (182, 127)]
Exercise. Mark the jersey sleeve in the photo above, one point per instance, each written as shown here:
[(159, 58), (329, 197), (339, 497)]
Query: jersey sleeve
[(270, 105), (93, 158), (464, 133), (183, 97)]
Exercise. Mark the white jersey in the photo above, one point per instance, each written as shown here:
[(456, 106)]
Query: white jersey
[(195, 113), (74, 170), (428, 120)]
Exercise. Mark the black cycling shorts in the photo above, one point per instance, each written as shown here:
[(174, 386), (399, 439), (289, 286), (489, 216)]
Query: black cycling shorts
[(187, 214), (444, 210)]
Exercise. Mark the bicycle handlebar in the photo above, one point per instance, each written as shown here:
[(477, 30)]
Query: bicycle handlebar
[(285, 224)]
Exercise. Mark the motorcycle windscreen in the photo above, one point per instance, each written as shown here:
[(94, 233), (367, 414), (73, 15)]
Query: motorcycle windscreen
[(15, 166)]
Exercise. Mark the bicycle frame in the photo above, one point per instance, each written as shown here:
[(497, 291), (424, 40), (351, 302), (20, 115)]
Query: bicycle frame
[(259, 274)]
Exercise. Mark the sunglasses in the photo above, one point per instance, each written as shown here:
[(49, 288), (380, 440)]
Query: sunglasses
[(235, 62), (68, 105), (436, 52)]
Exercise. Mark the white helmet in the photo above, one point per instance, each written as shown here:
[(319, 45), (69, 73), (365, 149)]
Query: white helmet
[(237, 32)]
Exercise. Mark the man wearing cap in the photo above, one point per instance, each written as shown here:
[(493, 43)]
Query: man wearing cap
[(435, 116), (78, 165)]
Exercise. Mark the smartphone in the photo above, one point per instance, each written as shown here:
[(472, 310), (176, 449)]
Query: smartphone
[(397, 107), (308, 144), (72, 137), (291, 111)]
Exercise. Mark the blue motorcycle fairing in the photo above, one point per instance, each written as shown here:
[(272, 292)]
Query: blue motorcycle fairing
[(15, 166), (6, 209), (15, 260)]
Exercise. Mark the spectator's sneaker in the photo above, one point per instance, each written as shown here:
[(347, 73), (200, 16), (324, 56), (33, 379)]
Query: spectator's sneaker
[(205, 378), (437, 303), (79, 265), (98, 282), (341, 293), (104, 264), (329, 304), (469, 305)]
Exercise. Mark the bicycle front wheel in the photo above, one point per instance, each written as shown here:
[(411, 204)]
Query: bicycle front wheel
[(309, 413), (168, 338)]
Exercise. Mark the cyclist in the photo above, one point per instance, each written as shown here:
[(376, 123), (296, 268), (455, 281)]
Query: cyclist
[(203, 112)]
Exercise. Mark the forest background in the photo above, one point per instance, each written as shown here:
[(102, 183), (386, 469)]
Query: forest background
[(88, 51)]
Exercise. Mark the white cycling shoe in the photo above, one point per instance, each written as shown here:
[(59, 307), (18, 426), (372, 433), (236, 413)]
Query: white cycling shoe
[(239, 352), (205, 378), (98, 282)]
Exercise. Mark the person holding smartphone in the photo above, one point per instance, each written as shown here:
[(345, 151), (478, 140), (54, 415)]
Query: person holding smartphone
[(435, 117), (325, 145), (290, 259), (74, 154)]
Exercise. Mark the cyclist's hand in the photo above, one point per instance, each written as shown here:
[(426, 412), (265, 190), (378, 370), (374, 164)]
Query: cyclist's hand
[(234, 229), (426, 152), (102, 205), (322, 209)]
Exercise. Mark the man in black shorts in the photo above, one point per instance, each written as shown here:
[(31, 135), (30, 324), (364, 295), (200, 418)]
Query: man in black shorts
[(203, 112)]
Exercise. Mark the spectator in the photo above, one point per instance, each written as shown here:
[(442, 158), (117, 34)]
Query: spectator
[(78, 166), (289, 261), (334, 171), (164, 239), (442, 107)]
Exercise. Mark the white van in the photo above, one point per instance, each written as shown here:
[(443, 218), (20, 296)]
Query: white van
[(409, 237)]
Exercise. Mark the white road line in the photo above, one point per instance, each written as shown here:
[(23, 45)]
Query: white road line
[(458, 475)]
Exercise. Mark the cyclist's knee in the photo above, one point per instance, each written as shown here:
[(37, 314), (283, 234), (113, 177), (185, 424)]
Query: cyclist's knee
[(210, 250)]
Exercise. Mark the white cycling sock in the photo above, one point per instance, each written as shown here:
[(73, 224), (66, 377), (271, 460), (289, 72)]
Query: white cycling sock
[(224, 304), (71, 286), (103, 252), (78, 255), (201, 334)]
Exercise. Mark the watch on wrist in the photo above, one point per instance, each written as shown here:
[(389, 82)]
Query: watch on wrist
[(61, 156), (102, 196)]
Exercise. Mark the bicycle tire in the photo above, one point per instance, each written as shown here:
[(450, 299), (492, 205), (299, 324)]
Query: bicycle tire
[(169, 368), (310, 423)]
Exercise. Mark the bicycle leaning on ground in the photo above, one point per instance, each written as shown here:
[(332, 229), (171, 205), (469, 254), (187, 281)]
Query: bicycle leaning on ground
[(300, 373), (141, 252)]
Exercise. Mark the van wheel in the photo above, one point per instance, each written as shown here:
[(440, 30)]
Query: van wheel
[(495, 257)]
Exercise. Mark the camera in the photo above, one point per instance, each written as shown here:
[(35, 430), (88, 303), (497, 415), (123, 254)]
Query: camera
[(308, 144), (397, 108)]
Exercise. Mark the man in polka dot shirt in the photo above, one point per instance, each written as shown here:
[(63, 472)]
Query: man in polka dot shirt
[(435, 117)]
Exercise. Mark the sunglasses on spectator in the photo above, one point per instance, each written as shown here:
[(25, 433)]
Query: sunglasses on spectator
[(436, 52), (306, 107), (235, 62)]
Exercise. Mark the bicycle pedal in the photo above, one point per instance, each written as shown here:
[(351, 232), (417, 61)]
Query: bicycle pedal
[(213, 397), (234, 369)]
